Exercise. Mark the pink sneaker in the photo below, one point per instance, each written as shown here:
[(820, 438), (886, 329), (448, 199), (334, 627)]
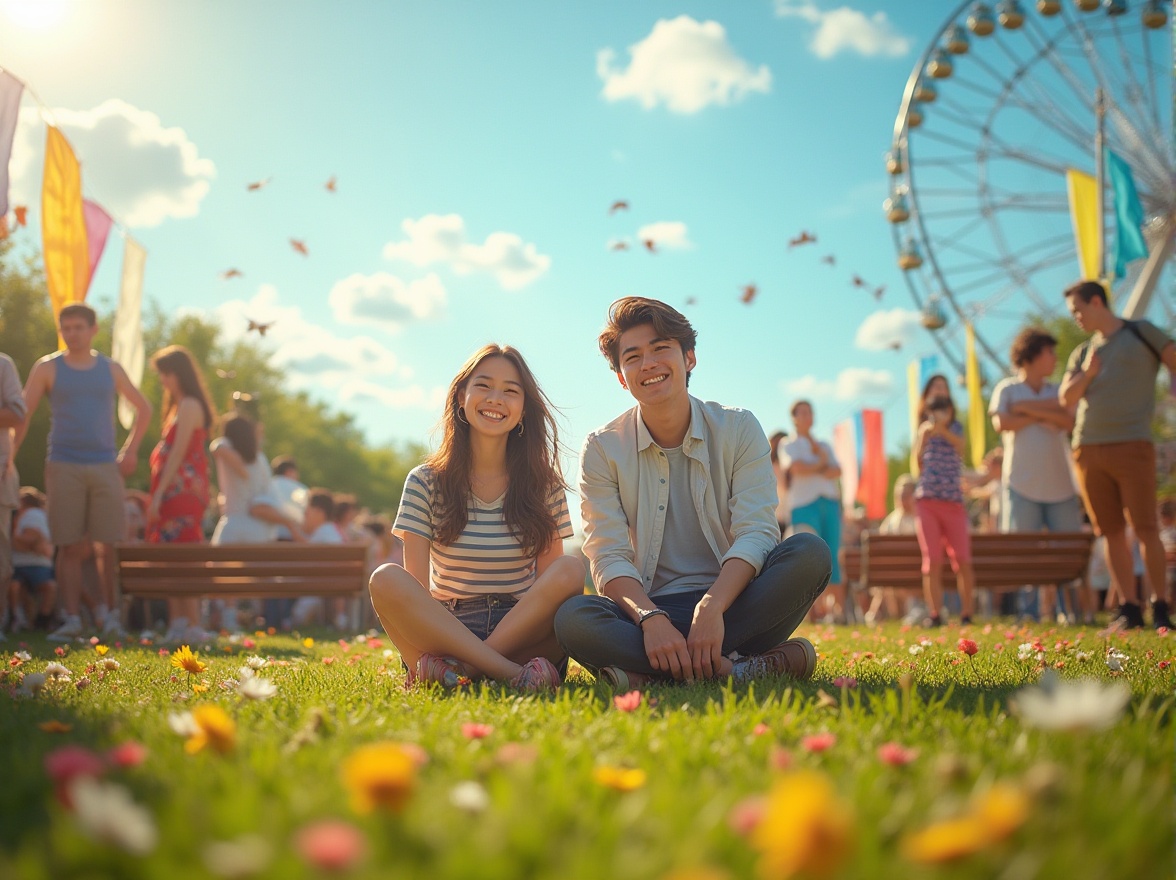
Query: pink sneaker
[(796, 658), (444, 671), (538, 675)]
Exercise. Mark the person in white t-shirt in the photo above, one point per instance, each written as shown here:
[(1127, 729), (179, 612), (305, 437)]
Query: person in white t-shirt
[(32, 562), (319, 527), (1039, 492)]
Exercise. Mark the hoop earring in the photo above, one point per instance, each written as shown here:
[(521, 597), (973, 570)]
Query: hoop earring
[(461, 416), (521, 426)]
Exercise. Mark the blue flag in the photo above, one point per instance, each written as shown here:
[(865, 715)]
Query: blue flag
[(1129, 243)]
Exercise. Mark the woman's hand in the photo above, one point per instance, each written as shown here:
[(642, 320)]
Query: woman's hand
[(151, 515)]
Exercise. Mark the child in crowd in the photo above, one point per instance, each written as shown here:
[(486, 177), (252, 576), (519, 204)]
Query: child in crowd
[(32, 563), (941, 517), (318, 524)]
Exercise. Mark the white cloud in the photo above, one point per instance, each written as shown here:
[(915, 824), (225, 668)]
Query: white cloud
[(847, 30), (666, 234), (685, 64), (853, 383), (386, 299), (881, 330), (140, 171), (442, 239), (413, 396)]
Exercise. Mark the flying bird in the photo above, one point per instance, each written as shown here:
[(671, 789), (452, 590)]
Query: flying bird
[(619, 245), (650, 245), (749, 292), (878, 291), (230, 273), (804, 238), (299, 246), (896, 345), (330, 184), (830, 259), (22, 215), (258, 184), (229, 374), (619, 205), (858, 281), (259, 327), (691, 301)]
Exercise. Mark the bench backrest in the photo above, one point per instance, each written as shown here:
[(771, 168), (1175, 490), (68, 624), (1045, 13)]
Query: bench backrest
[(999, 560), (274, 569)]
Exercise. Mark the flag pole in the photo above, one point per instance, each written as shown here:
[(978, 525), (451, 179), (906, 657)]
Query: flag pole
[(1100, 113)]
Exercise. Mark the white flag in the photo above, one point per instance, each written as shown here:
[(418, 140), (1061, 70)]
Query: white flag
[(127, 346)]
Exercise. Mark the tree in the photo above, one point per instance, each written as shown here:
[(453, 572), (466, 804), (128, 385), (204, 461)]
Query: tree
[(331, 450)]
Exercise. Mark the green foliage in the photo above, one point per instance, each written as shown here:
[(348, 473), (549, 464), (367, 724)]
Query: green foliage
[(331, 450), (1100, 800)]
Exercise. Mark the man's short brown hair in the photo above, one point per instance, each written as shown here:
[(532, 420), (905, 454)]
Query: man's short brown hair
[(1029, 343), (1087, 290), (633, 311), (78, 310)]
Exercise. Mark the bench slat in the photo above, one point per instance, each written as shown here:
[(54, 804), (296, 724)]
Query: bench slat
[(136, 570)]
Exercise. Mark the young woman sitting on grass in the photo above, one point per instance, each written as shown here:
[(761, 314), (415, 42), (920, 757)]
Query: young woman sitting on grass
[(487, 513)]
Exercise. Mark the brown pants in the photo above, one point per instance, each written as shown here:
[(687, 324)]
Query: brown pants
[(1118, 477)]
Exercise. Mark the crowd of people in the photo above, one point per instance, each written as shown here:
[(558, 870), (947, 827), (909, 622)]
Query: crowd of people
[(684, 503), (59, 541)]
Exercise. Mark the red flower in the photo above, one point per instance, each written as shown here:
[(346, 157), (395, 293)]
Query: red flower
[(845, 681), (128, 754), (474, 730), (68, 763), (331, 845), (968, 646), (627, 702), (818, 742), (761, 729), (747, 814), (896, 755)]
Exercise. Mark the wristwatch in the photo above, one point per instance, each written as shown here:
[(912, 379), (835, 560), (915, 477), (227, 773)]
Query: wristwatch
[(645, 615)]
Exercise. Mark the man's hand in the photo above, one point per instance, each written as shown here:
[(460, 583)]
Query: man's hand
[(127, 463), (666, 648), (705, 642)]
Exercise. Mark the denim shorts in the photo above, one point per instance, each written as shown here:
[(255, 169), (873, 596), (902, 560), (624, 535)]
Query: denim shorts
[(481, 614), (32, 576)]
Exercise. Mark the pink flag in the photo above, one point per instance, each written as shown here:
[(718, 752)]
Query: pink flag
[(98, 224), (10, 89), (845, 451)]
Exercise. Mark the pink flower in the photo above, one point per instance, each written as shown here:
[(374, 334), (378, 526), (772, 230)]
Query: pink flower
[(779, 759), (60, 651), (747, 814), (761, 729), (128, 754), (163, 652), (896, 755), (517, 753), (416, 752), (331, 844), (474, 730), (327, 661), (968, 646), (818, 742), (248, 644), (845, 681), (66, 764), (627, 702)]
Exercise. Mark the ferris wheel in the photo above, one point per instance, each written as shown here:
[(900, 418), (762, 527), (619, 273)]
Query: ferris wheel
[(1001, 103)]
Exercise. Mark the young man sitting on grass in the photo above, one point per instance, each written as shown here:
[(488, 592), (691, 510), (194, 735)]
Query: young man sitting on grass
[(678, 499)]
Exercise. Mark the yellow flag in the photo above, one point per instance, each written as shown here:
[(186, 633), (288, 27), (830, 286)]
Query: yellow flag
[(976, 410), (1083, 191), (913, 390), (63, 224)]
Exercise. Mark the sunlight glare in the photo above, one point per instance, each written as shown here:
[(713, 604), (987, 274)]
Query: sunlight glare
[(34, 14)]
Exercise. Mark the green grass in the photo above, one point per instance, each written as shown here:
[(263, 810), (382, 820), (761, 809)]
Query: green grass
[(1101, 802)]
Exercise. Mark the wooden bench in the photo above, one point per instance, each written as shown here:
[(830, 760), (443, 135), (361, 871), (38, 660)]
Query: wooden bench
[(278, 569), (1001, 561)]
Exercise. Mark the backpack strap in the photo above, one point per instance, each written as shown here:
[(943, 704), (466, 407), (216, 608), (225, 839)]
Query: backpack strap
[(1132, 326)]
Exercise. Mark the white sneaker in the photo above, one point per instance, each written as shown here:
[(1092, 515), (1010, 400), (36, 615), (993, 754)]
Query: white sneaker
[(112, 625), (68, 631), (194, 635), (175, 632), (20, 623)]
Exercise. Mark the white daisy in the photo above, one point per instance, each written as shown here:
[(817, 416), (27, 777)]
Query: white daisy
[(469, 796), (107, 813), (183, 724), (1083, 704), (255, 662), (32, 684), (56, 670), (256, 688)]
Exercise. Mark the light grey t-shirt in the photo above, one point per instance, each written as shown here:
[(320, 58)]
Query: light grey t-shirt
[(1036, 458), (686, 561), (1121, 400)]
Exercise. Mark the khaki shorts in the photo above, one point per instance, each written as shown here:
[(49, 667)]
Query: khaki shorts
[(85, 501), (1118, 477), (6, 514)]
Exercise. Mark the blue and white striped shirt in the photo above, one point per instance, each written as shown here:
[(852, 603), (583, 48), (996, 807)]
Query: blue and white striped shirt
[(486, 557)]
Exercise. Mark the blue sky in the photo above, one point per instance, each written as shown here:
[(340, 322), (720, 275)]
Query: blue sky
[(477, 148)]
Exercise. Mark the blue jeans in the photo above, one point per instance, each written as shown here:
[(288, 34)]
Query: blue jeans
[(597, 632), (481, 614), (823, 516), (1020, 514)]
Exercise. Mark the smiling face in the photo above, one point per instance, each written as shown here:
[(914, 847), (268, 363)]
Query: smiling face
[(653, 368), (492, 400)]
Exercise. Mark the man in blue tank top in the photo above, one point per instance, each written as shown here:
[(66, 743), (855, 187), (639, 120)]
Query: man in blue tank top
[(83, 470)]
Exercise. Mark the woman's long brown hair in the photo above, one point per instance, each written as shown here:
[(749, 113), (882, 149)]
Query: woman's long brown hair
[(175, 360), (532, 461)]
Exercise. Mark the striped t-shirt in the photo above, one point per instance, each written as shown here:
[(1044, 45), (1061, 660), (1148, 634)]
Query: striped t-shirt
[(486, 557)]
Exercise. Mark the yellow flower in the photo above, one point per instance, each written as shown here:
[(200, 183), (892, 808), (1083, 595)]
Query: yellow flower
[(992, 816), (619, 778), (214, 728), (199, 688), (186, 660), (380, 775), (308, 642), (101, 649), (55, 726), (805, 827)]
